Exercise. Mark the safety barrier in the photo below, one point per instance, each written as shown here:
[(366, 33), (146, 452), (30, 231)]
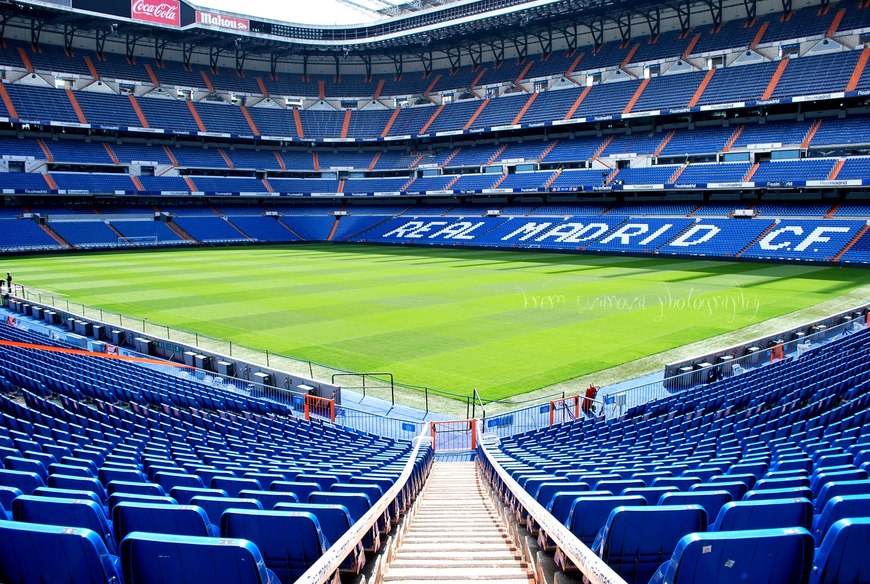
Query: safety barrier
[(594, 569)]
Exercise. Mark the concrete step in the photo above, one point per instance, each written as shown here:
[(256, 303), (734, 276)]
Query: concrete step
[(456, 535), (475, 563), (442, 574)]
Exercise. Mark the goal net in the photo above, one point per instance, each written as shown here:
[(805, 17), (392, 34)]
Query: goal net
[(143, 240)]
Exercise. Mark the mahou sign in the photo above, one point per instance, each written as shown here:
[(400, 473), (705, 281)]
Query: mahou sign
[(221, 21), (157, 11)]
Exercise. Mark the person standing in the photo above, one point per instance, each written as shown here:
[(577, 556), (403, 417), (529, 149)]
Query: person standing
[(9, 281)]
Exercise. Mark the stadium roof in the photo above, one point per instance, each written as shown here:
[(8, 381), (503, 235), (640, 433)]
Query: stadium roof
[(480, 30)]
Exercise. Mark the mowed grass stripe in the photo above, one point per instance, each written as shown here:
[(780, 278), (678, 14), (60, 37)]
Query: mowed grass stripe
[(504, 322)]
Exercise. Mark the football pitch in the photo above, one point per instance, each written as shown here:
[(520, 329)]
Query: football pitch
[(453, 319)]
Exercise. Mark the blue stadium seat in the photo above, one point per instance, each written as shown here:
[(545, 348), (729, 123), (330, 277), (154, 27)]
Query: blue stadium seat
[(651, 494), (214, 506), (128, 517), (772, 556), (838, 488), (561, 502), (635, 541), (26, 482), (334, 522), (7, 495), (83, 513), (711, 501), (184, 494), (135, 488), (765, 514), (768, 494), (842, 557), (840, 507), (178, 559), (48, 553), (116, 498), (268, 498), (302, 490), (588, 515), (290, 541)]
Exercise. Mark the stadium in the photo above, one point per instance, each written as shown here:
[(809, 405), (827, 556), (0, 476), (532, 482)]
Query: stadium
[(521, 291)]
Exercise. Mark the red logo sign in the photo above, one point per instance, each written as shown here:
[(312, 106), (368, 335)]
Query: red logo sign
[(157, 11), (221, 21)]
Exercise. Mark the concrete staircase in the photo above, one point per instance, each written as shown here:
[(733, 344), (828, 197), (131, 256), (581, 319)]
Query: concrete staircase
[(456, 535)]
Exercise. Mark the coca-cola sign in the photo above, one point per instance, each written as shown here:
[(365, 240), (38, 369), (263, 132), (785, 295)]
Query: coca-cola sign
[(222, 21), (157, 11)]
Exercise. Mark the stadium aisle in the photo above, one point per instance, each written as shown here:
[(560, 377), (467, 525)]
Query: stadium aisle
[(456, 534)]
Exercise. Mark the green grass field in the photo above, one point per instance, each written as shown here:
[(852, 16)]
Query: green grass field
[(504, 322)]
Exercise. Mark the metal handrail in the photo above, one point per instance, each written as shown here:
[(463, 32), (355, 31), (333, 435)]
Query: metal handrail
[(327, 565), (593, 568)]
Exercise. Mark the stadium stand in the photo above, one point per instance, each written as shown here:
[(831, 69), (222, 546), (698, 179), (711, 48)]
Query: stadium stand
[(645, 144)]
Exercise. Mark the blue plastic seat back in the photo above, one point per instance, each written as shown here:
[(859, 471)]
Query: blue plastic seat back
[(290, 541), (617, 486), (233, 485), (84, 513), (214, 507), (373, 492), (735, 488), (357, 504), (651, 494), (184, 494), (116, 498), (128, 517), (561, 502), (26, 465), (636, 540), (268, 499), (682, 483), (589, 514), (79, 484), (842, 557), (547, 490), (301, 489), (534, 489), (66, 494), (334, 519), (769, 494), (818, 481), (30, 552), (325, 481), (135, 488), (782, 483), (764, 514), (168, 480), (107, 474), (838, 489), (7, 495), (26, 482), (68, 469), (837, 508), (711, 501), (756, 469), (264, 478), (179, 559), (772, 556), (747, 479)]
